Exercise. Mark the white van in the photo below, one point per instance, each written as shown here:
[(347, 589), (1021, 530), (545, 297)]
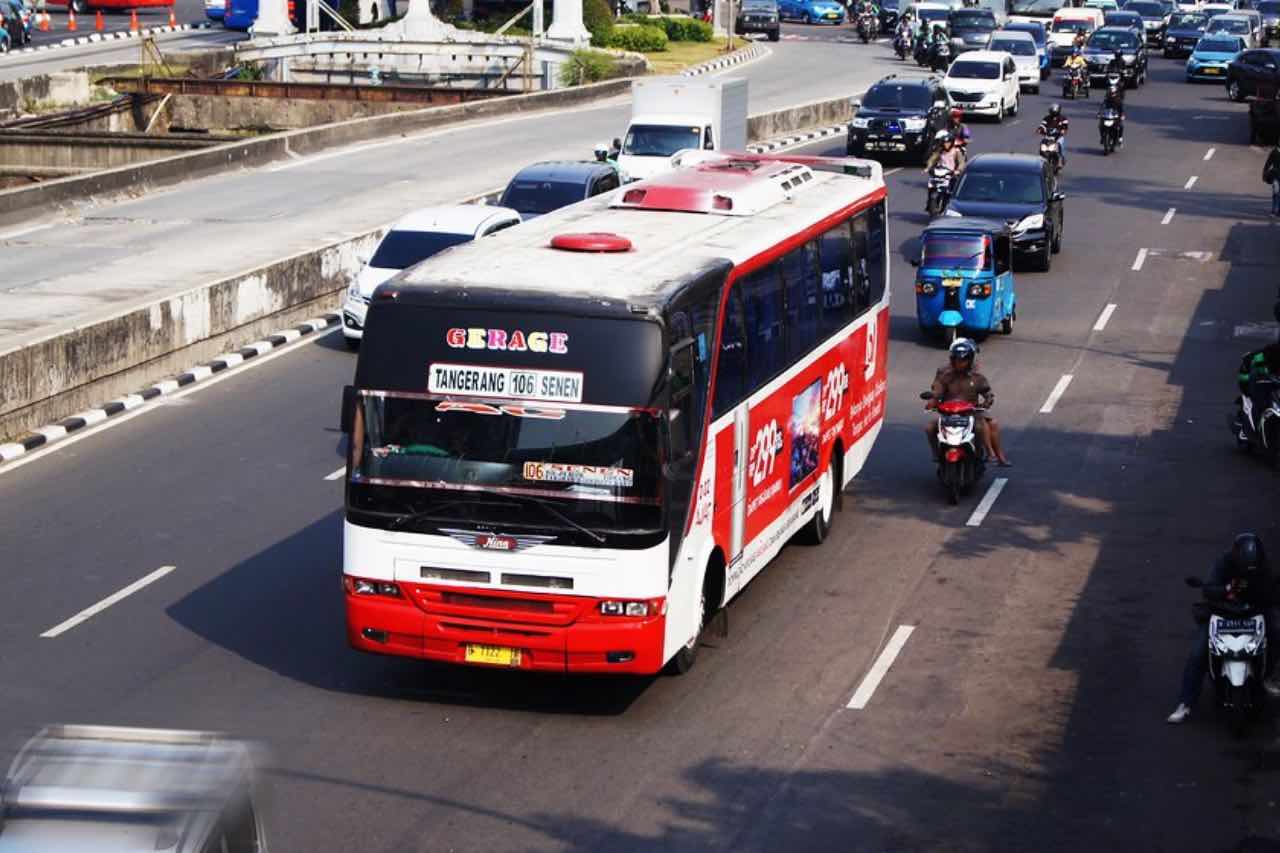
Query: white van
[(1066, 24)]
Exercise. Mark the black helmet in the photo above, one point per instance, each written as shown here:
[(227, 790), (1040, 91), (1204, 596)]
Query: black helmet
[(1055, 110), (1246, 553), (963, 350)]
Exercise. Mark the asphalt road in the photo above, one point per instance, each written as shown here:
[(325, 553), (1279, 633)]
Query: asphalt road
[(1024, 712), (17, 66), (186, 12)]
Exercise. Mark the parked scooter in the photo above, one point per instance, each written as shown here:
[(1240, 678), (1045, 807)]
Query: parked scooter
[(962, 460), (1237, 653)]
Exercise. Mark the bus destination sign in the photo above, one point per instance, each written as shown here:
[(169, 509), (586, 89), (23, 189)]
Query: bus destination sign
[(512, 383)]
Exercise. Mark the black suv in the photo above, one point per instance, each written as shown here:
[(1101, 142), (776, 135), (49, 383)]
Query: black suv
[(970, 28), (1101, 47), (759, 16), (898, 115), (1254, 72)]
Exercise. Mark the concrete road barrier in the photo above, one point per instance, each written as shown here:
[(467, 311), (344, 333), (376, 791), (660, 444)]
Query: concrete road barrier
[(70, 371)]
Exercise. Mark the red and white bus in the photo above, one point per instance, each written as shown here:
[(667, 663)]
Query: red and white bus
[(572, 443)]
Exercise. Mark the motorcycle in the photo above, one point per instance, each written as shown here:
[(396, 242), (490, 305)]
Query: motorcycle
[(920, 53), (940, 178), (1076, 81), (962, 460), (1237, 654), (939, 56), (1259, 430), (902, 44), (867, 24), (1051, 150), (1110, 125)]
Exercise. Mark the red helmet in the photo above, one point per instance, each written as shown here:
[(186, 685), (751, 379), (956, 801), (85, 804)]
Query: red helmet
[(957, 114)]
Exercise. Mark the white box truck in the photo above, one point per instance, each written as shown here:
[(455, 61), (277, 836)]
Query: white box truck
[(670, 114)]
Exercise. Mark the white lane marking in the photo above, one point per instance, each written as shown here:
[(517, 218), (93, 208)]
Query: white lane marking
[(867, 688), (987, 502), (1191, 182), (1104, 317), (114, 598), (892, 171), (1140, 260), (82, 434), (336, 475), (1208, 155), (1056, 394), (22, 232), (1168, 216)]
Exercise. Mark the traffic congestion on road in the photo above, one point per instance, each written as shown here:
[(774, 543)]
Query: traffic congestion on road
[(908, 489)]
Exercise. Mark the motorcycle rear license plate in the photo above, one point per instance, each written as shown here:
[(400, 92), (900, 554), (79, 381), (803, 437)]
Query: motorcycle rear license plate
[(1235, 625), (952, 282), (492, 655)]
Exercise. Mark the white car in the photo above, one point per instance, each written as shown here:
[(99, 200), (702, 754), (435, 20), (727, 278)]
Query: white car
[(412, 240), (1235, 24), (1022, 47), (984, 82), (1212, 9)]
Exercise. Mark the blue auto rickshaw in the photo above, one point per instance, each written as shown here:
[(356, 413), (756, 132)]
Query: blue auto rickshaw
[(964, 278)]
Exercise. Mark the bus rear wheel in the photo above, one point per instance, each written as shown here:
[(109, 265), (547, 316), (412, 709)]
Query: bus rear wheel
[(815, 532), (712, 583)]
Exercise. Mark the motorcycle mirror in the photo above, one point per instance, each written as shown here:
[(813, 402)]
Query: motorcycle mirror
[(1194, 582), (928, 395), (1059, 196), (915, 262)]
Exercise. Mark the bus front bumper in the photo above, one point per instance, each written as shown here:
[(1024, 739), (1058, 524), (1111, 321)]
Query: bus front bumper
[(417, 624)]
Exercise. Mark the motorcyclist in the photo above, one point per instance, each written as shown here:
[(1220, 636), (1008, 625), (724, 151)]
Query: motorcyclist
[(903, 31), (609, 155), (1113, 99), (1244, 575), (1257, 366), (1076, 62), (1056, 123), (957, 128), (602, 152), (948, 154), (960, 381), (1116, 65)]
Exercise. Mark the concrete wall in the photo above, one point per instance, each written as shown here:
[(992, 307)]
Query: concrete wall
[(804, 117), (264, 115), (66, 373), (80, 150), (64, 87)]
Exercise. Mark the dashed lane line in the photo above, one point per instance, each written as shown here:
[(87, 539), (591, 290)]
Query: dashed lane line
[(1056, 394), (1191, 182), (115, 598), (880, 668), (1168, 216), (336, 475), (987, 502), (1208, 155), (1104, 317), (1139, 260)]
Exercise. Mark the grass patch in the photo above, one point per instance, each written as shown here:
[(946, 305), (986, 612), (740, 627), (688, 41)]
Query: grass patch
[(179, 69), (679, 55)]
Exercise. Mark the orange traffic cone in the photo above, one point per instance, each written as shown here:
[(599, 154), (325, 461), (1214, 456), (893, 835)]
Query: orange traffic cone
[(44, 22), (133, 20), (98, 23), (71, 19), (173, 19)]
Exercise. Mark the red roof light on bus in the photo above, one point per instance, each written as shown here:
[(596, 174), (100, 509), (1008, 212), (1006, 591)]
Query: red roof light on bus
[(592, 241)]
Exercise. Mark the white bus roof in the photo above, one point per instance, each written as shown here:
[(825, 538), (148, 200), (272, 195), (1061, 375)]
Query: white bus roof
[(720, 207)]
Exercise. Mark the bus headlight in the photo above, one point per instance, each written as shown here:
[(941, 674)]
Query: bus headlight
[(652, 607), (363, 586)]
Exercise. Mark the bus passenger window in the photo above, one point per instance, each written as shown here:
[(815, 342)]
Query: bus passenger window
[(861, 272), (732, 371), (836, 256), (766, 330), (877, 251), (800, 271), (681, 414)]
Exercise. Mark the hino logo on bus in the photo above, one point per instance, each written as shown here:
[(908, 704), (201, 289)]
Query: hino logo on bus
[(764, 450), (516, 340), (495, 541)]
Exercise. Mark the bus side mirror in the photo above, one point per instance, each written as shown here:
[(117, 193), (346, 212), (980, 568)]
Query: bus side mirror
[(348, 416)]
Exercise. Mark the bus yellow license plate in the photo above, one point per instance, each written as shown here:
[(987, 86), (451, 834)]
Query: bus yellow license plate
[(493, 655)]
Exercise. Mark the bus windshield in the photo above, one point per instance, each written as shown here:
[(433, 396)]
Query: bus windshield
[(547, 466), (660, 140), (957, 253)]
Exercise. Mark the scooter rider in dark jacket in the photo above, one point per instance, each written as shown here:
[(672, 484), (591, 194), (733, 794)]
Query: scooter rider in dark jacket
[(1259, 364), (1114, 100), (1241, 574)]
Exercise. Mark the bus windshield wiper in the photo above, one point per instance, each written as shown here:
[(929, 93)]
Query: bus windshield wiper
[(416, 515), (552, 511)]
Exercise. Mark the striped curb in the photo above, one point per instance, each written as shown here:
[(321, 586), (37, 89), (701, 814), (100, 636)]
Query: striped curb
[(54, 432), (796, 139), (738, 57), (98, 38)]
